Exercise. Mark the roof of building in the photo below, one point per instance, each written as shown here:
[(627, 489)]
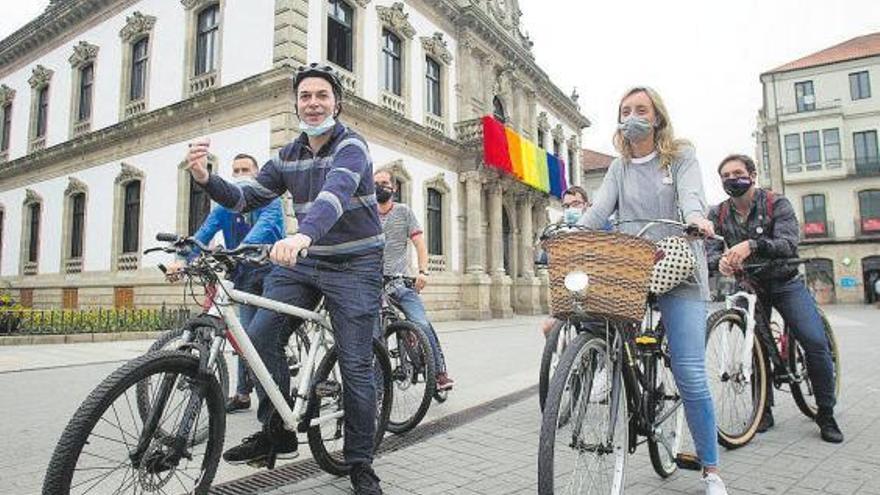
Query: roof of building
[(856, 48), (594, 160)]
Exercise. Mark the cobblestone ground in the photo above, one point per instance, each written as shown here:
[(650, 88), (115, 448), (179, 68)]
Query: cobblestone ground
[(498, 453)]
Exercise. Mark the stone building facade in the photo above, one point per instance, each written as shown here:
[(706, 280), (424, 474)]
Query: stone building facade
[(98, 99)]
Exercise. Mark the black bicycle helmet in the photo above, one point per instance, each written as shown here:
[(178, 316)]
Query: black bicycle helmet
[(325, 72)]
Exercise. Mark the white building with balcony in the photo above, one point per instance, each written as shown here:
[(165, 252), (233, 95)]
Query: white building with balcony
[(98, 99), (817, 144)]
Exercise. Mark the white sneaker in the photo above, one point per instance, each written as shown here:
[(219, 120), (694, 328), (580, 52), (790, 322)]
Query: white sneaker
[(714, 485)]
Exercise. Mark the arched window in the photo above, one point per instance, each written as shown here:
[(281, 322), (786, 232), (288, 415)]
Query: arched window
[(131, 217), (820, 279), (498, 109), (507, 240), (207, 40), (435, 221), (127, 215)]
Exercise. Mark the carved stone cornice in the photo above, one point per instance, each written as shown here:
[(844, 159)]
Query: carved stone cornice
[(192, 4), (7, 94), (75, 186), (31, 196), (40, 77), (362, 3), (558, 133), (435, 46), (397, 19), (438, 182), (396, 169), (128, 174), (83, 53), (137, 24), (543, 123)]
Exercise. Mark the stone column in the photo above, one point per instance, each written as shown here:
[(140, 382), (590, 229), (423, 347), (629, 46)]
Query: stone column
[(541, 221), (528, 295), (475, 290), (474, 250), (496, 242), (500, 281)]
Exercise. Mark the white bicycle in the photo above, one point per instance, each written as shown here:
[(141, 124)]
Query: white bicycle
[(109, 446)]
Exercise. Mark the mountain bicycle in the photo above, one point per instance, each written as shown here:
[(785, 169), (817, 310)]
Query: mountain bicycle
[(108, 447), (746, 354), (413, 371)]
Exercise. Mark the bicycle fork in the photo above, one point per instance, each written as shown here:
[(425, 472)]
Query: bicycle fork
[(748, 314)]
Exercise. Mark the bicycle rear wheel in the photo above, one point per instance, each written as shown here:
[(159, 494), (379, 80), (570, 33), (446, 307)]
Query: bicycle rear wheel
[(584, 430), (668, 417), (95, 452), (558, 337), (739, 400), (802, 392), (412, 375), (326, 439)]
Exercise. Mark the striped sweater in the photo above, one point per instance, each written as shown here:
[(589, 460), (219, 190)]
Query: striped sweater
[(333, 193)]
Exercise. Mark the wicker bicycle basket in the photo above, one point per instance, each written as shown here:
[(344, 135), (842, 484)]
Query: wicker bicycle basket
[(619, 270)]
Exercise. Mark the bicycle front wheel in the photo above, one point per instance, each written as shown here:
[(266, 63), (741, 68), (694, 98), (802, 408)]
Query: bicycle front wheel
[(325, 401), (584, 430), (739, 396), (802, 391), (96, 453), (664, 443), (412, 375), (558, 337), (171, 341)]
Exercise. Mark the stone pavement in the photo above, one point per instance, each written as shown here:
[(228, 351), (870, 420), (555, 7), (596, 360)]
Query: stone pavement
[(498, 453)]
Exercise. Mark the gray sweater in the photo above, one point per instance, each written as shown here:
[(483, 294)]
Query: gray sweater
[(644, 191)]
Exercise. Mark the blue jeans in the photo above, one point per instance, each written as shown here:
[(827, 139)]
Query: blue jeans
[(793, 301), (410, 303), (250, 280), (685, 322), (351, 291)]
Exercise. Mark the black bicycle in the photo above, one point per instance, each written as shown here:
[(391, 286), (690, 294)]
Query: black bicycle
[(413, 371), (746, 354), (613, 385)]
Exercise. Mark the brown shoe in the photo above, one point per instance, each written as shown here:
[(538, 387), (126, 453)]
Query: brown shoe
[(238, 403), (444, 382)]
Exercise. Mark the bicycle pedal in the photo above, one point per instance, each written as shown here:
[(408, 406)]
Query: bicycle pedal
[(687, 461)]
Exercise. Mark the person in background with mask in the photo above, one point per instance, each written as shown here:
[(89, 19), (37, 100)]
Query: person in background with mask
[(760, 226), (337, 254), (574, 204), (400, 225), (657, 176), (264, 225)]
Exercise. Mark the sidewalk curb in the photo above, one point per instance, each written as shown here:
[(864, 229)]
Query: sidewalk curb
[(77, 338)]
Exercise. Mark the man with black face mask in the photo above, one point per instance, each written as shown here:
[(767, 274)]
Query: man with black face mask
[(760, 226), (401, 227)]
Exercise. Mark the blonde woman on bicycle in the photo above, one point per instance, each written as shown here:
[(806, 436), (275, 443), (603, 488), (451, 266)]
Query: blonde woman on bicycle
[(658, 177)]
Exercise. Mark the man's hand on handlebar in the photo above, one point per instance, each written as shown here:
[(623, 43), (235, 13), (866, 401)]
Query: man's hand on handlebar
[(285, 251), (174, 271)]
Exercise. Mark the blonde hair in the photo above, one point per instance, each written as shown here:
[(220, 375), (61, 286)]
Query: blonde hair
[(668, 148)]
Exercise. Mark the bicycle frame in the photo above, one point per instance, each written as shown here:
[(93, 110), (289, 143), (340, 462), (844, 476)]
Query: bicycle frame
[(222, 308), (748, 313)]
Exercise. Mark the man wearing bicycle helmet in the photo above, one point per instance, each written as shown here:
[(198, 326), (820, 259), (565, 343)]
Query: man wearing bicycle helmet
[(337, 254), (760, 226)]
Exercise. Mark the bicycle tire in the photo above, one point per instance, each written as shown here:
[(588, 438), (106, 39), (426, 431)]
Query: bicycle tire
[(78, 433), (404, 375), (333, 461), (166, 341), (664, 465), (797, 357), (735, 437), (562, 380), (550, 353)]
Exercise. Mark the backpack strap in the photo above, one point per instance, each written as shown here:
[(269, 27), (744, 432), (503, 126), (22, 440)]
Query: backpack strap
[(723, 212), (769, 199)]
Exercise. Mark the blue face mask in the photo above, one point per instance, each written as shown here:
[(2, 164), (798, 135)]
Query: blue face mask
[(317, 130), (572, 215)]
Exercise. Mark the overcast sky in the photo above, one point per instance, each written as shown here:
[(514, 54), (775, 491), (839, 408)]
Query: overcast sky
[(704, 57)]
